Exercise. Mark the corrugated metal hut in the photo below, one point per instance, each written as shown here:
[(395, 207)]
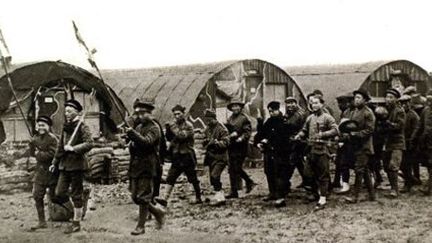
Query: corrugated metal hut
[(202, 86), (43, 87), (376, 77)]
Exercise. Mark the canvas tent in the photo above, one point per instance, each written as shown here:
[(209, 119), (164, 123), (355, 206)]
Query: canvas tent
[(40, 88)]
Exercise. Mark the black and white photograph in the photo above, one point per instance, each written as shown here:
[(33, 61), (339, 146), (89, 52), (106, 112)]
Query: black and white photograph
[(215, 121)]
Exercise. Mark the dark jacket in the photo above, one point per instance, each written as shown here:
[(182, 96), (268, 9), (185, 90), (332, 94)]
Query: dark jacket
[(82, 143), (395, 129), (426, 128), (144, 149), (274, 130), (181, 138), (242, 125), (362, 139), (216, 142), (43, 148), (294, 122), (412, 125)]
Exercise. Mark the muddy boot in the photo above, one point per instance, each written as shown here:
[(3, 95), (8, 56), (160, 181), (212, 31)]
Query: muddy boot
[(369, 186), (41, 217), (428, 190), (75, 227), (250, 186), (357, 187), (159, 215), (164, 200), (279, 203), (140, 228), (197, 190), (232, 195), (393, 178), (344, 189)]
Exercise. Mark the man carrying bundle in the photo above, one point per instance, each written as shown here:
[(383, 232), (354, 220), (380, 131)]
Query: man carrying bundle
[(70, 160)]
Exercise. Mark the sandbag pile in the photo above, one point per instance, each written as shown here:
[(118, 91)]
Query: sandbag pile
[(18, 177), (121, 162), (99, 161)]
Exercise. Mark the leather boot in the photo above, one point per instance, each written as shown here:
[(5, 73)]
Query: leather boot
[(159, 215), (357, 187), (369, 185), (41, 216), (197, 190), (140, 228), (76, 226), (164, 200), (250, 186), (393, 178), (428, 190)]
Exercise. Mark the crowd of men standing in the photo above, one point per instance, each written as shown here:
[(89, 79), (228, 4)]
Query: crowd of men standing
[(367, 137)]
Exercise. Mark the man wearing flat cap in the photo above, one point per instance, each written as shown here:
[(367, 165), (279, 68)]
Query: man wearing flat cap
[(394, 145), (70, 160), (216, 142), (43, 146), (360, 140), (412, 124), (180, 136), (144, 146), (240, 128), (272, 142)]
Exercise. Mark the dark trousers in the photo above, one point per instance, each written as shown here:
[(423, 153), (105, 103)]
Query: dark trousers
[(215, 169), (278, 172), (176, 170), (157, 180), (141, 189), (361, 169), (318, 168), (407, 167), (375, 163), (74, 180), (236, 172)]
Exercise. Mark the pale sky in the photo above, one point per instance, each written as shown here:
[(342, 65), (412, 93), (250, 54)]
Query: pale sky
[(130, 34)]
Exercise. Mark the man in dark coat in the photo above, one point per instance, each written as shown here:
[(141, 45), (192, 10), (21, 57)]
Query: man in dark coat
[(216, 142), (43, 146), (360, 141), (294, 120), (412, 124), (180, 137), (240, 128), (394, 145), (319, 128), (426, 140), (70, 160), (144, 151), (418, 105)]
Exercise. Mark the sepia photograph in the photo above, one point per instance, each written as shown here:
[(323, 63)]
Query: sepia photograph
[(215, 121)]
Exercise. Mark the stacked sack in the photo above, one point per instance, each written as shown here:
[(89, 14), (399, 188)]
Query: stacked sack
[(121, 161), (99, 161), (18, 177)]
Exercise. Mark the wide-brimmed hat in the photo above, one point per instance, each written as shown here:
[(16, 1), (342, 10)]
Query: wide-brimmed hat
[(363, 93), (394, 92), (145, 103), (345, 96), (347, 126), (235, 102)]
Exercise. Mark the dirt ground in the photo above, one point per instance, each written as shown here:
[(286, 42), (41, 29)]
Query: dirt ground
[(248, 219)]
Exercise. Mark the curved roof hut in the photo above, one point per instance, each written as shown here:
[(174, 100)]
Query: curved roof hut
[(376, 77), (202, 86), (42, 89)]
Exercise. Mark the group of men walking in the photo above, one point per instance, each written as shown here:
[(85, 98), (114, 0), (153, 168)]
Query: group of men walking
[(398, 134)]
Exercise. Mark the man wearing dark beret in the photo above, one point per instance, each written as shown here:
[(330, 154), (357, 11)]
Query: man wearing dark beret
[(395, 139), (144, 146), (240, 128), (43, 146), (216, 142), (70, 160), (360, 140), (180, 137)]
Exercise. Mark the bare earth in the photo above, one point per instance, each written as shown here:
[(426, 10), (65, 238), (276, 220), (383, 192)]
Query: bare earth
[(247, 220)]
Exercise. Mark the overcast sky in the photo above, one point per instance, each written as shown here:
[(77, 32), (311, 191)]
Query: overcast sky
[(158, 33)]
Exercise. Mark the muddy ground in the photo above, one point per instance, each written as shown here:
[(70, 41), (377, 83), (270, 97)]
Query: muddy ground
[(248, 219)]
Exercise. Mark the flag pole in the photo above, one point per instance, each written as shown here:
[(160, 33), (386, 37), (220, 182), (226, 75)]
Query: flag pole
[(3, 59), (95, 66)]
